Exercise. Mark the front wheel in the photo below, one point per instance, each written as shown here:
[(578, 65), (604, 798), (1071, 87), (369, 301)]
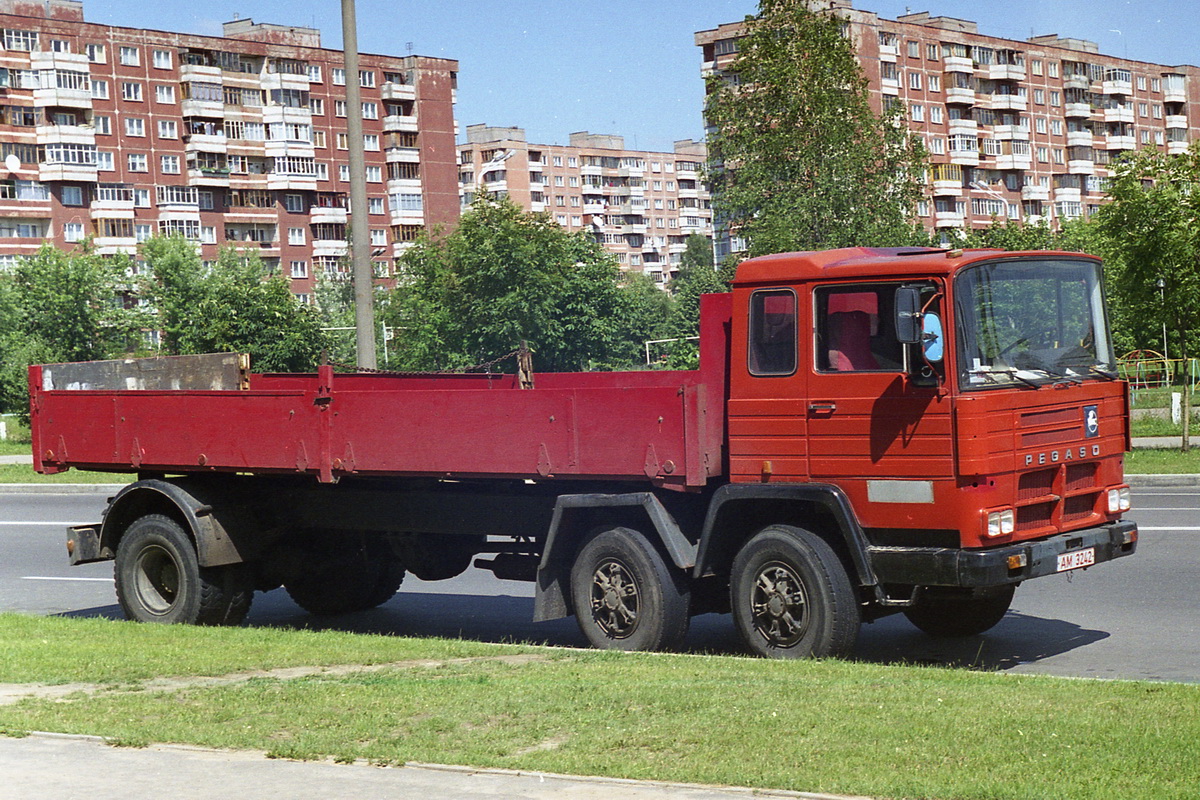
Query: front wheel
[(159, 578), (625, 596), (791, 596), (950, 613)]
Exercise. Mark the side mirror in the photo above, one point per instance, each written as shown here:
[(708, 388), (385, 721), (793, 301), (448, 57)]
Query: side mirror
[(908, 315), (931, 337)]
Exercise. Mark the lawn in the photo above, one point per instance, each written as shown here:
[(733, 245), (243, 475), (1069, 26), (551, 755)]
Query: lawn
[(829, 726)]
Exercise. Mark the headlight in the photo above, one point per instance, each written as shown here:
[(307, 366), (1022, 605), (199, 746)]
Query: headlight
[(1001, 523), (1119, 500)]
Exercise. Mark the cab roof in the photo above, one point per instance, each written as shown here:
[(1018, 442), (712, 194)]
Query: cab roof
[(872, 262)]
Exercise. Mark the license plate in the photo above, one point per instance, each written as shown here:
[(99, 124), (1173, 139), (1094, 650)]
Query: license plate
[(1077, 559)]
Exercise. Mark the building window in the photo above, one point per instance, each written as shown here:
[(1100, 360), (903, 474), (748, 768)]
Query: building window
[(164, 93), (370, 110), (317, 105), (914, 79), (314, 73), (104, 161), (294, 203), (935, 115), (206, 200), (103, 125), (375, 205), (1053, 67), (370, 142), (168, 129), (170, 165), (135, 126), (935, 83), (99, 90), (131, 91), (137, 162), (918, 113), (208, 234), (130, 57), (343, 141), (295, 236), (378, 237), (374, 174), (73, 231), (339, 76), (366, 78), (24, 41), (72, 196), (339, 108), (95, 53), (162, 59), (141, 198)]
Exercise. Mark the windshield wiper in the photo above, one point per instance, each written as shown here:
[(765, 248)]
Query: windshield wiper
[(992, 372), (1112, 376)]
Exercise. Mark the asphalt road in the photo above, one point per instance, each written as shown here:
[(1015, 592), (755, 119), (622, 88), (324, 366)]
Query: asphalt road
[(1137, 618)]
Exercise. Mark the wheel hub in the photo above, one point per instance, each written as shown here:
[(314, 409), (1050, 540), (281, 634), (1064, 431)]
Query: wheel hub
[(779, 605), (615, 599)]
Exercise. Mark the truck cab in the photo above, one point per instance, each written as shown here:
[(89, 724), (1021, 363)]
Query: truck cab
[(966, 403)]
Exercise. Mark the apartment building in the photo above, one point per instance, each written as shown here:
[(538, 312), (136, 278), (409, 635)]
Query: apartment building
[(1023, 130), (116, 134), (641, 205)]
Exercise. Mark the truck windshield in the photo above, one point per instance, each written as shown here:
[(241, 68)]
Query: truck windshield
[(1029, 322)]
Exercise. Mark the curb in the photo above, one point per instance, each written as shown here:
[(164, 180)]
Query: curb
[(61, 488), (665, 786), (1162, 480)]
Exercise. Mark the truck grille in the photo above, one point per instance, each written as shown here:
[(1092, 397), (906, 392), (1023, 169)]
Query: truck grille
[(1065, 494)]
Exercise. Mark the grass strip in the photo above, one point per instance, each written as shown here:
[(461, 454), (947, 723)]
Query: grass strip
[(881, 731), (1162, 461), (23, 473)]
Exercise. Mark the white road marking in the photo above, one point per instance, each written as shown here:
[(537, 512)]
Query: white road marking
[(47, 578), (1167, 528), (34, 522)]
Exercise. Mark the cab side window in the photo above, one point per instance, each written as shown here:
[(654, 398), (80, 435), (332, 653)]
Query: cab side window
[(856, 329), (772, 345)]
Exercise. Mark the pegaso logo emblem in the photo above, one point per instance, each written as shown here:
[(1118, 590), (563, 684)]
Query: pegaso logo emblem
[(1055, 456), (1091, 422)]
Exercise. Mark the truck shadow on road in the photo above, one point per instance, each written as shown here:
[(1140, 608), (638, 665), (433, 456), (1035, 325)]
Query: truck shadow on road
[(1018, 639)]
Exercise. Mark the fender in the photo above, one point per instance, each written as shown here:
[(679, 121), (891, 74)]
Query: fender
[(214, 546), (830, 498), (554, 569)]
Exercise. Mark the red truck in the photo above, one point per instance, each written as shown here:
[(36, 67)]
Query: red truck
[(870, 431)]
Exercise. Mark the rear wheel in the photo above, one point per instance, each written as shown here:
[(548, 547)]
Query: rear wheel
[(960, 612), (159, 578), (625, 596), (345, 574), (791, 596)]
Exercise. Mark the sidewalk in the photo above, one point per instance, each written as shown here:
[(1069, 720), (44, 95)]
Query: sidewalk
[(83, 767)]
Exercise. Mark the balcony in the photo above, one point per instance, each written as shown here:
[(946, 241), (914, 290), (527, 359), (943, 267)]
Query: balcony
[(291, 181), (1177, 121), (1066, 195), (112, 245), (400, 123), (959, 96), (1174, 92), (947, 188), (332, 215), (397, 92), (1074, 81), (285, 80), (958, 64), (403, 155), (66, 134), (966, 158), (205, 143), (1077, 110), (332, 248), (891, 86), (1008, 102), (212, 109), (1014, 161), (1008, 133), (1176, 148), (967, 126), (1081, 166), (889, 52), (196, 72), (947, 219), (1035, 192), (1123, 88), (1006, 72), (1114, 142), (1079, 138), (1119, 114)]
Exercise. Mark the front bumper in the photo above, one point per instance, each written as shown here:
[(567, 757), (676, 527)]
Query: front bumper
[(935, 566)]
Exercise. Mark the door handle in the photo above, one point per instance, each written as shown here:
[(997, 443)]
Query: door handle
[(822, 407)]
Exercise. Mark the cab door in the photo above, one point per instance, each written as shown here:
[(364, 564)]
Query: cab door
[(871, 426)]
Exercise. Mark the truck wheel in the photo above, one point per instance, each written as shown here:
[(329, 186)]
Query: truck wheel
[(159, 578), (342, 581), (625, 596), (960, 612), (791, 596)]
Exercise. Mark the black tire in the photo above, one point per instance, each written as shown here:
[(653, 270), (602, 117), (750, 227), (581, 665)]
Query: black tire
[(159, 578), (625, 596), (948, 613), (791, 596), (346, 575)]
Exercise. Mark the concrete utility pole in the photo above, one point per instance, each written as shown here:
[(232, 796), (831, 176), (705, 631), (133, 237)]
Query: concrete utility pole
[(360, 252)]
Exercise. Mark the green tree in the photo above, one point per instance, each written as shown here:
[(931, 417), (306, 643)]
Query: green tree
[(1152, 227), (503, 276), (234, 305), (57, 306), (803, 162)]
